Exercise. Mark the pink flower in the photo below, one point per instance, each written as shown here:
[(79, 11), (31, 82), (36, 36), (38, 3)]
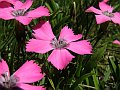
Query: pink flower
[(29, 72), (20, 12), (116, 42), (46, 41), (105, 13)]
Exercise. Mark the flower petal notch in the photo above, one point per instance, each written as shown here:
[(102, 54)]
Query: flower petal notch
[(105, 0), (105, 13), (45, 41), (20, 12), (29, 72)]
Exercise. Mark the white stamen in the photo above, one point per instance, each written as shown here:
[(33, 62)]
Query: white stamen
[(58, 44), (8, 81), (109, 14), (19, 12)]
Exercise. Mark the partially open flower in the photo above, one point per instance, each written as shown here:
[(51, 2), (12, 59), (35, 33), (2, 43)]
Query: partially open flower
[(105, 13), (29, 72), (20, 11)]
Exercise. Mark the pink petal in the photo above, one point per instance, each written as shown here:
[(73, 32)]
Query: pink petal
[(30, 87), (24, 20), (92, 9), (116, 18), (43, 31), (3, 67), (116, 42), (5, 13), (60, 58), (39, 12), (4, 4), (29, 72), (102, 18), (17, 5), (105, 0), (38, 46), (68, 35), (81, 47), (27, 4), (105, 7)]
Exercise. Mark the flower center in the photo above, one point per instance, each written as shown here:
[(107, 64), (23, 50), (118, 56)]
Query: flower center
[(109, 14), (58, 44), (19, 12), (8, 81)]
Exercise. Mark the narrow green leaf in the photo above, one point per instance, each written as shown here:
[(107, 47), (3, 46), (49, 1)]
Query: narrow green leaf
[(79, 80), (96, 81), (52, 84)]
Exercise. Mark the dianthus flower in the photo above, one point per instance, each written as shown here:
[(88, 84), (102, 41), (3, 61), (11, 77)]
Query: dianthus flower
[(45, 41), (29, 72), (20, 11), (105, 13)]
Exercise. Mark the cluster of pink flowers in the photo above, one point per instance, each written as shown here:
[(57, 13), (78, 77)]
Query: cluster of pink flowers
[(29, 72), (44, 41)]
